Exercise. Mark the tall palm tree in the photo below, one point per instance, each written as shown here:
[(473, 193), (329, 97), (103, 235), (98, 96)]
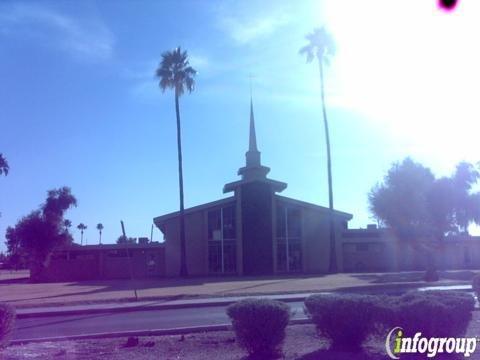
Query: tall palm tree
[(174, 72), (322, 47), (82, 227), (3, 165), (100, 228)]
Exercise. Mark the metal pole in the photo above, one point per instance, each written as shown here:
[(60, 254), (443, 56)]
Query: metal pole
[(129, 261)]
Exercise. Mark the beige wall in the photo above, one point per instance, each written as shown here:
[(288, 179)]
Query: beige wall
[(83, 263), (316, 238), (196, 244)]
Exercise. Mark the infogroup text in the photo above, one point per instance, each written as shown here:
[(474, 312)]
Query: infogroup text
[(429, 346)]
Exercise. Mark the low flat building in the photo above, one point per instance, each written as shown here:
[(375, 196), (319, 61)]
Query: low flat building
[(378, 250), (107, 261)]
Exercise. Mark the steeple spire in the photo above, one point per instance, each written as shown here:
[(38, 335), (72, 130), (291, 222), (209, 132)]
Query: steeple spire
[(253, 137), (253, 171), (253, 155)]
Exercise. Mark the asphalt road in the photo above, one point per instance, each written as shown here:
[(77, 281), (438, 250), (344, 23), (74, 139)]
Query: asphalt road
[(52, 326)]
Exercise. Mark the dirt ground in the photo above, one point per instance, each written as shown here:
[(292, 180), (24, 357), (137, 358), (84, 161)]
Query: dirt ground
[(301, 342), (15, 288)]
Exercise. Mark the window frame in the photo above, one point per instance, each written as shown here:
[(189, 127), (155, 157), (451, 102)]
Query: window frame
[(212, 240), (287, 239)]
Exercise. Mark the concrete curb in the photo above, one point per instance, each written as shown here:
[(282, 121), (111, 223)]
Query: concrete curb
[(138, 333), (208, 302), (25, 315)]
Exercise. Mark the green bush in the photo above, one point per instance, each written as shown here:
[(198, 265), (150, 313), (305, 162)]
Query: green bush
[(7, 322), (433, 313), (345, 319), (259, 325), (476, 285)]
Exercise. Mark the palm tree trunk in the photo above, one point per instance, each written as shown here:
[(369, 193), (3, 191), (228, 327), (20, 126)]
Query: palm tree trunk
[(333, 254), (100, 240), (183, 257)]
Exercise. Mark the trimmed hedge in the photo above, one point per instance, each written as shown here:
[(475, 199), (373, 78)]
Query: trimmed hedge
[(345, 319), (259, 325), (433, 313), (7, 322)]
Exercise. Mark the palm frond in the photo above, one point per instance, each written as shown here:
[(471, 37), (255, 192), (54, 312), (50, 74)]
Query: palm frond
[(3, 165), (320, 45), (174, 72)]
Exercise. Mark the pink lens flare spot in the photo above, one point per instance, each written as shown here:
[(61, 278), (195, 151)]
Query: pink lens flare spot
[(447, 5)]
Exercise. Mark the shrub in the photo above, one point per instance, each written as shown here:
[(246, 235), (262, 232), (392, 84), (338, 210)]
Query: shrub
[(345, 319), (259, 324), (7, 322), (476, 285), (433, 313)]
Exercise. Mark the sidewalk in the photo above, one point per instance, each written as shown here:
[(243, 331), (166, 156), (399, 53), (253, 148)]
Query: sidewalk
[(211, 301)]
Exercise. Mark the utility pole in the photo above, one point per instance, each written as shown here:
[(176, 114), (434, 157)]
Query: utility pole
[(129, 261)]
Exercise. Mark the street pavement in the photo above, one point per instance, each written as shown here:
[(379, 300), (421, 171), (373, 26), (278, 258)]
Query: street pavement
[(40, 323), (82, 324)]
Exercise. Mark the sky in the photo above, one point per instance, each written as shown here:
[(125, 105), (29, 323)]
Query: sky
[(80, 105)]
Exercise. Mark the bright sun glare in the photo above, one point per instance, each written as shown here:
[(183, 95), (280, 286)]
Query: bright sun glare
[(413, 70)]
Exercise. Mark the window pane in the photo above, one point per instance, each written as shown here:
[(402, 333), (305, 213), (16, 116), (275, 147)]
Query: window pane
[(281, 256), (214, 225), (281, 224), (294, 223), (295, 256), (214, 257), (229, 222), (229, 256)]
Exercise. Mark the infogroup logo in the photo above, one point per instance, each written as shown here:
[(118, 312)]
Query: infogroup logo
[(397, 344)]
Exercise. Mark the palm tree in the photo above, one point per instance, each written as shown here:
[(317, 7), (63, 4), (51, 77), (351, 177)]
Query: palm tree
[(81, 227), (3, 165), (321, 46), (174, 72), (100, 228), (67, 224)]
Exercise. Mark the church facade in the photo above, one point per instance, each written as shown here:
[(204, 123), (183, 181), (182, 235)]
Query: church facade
[(255, 231)]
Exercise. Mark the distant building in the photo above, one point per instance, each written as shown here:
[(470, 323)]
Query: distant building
[(106, 261), (377, 250)]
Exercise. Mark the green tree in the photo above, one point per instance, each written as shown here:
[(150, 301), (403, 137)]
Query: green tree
[(466, 202), (400, 201), (122, 239), (174, 72), (37, 234), (321, 47), (3, 165), (420, 208), (100, 229), (82, 227)]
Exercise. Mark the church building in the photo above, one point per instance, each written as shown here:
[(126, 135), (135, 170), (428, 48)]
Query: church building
[(255, 231)]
